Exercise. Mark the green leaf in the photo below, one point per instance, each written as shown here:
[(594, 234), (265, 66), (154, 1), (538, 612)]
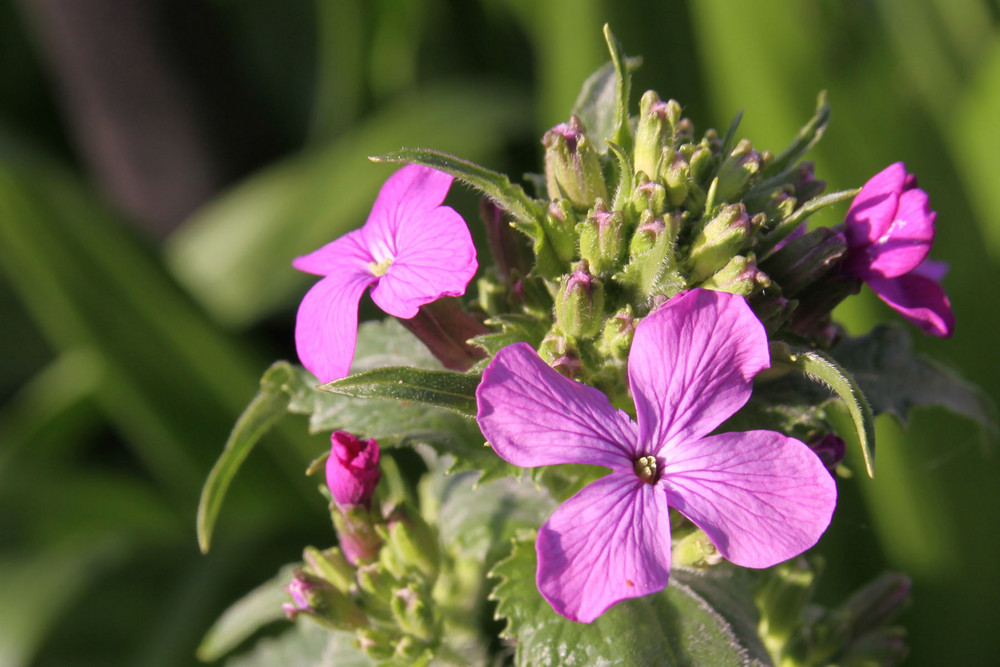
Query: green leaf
[(268, 406), (680, 626), (896, 379), (621, 134), (244, 617), (494, 185), (823, 369), (514, 328), (443, 389), (806, 139)]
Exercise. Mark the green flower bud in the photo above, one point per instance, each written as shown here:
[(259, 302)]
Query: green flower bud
[(737, 170), (375, 580), (376, 644), (876, 604), (782, 598), (580, 303), (740, 276), (616, 337), (657, 129), (560, 353), (572, 168), (356, 531), (675, 175), (332, 566), (602, 239), (694, 550), (649, 196), (412, 613), (803, 261), (318, 599), (700, 164), (560, 229), (718, 241), (413, 543)]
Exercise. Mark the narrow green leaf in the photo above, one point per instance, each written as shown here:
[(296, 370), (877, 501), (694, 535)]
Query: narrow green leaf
[(730, 136), (443, 389), (621, 133), (823, 369), (799, 215), (680, 626), (597, 103), (268, 406), (806, 139), (244, 617)]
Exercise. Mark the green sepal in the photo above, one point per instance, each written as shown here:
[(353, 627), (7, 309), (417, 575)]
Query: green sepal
[(443, 389), (806, 139), (823, 369), (788, 225), (267, 407)]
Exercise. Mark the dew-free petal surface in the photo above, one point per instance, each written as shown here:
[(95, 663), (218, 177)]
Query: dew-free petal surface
[(691, 366), (326, 325), (534, 416), (760, 496), (609, 542), (919, 299)]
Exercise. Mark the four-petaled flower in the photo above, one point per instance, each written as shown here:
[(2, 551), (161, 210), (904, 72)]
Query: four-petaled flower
[(760, 496), (890, 229), (411, 250)]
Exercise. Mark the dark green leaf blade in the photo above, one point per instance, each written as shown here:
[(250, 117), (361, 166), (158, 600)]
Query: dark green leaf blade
[(677, 627), (442, 389), (825, 370), (268, 406)]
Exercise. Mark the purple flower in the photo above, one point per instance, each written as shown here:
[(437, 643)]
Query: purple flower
[(761, 497), (890, 229), (411, 250), (352, 470)]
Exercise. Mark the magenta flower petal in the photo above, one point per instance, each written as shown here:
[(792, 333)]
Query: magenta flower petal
[(609, 542), (874, 208), (760, 496), (691, 366), (412, 249), (533, 416), (435, 258), (326, 325), (908, 238), (919, 299)]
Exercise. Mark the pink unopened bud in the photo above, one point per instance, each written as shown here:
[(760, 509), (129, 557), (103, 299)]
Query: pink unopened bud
[(830, 449), (352, 470)]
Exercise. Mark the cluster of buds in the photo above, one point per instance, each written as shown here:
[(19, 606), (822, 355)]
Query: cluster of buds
[(378, 582), (625, 232)]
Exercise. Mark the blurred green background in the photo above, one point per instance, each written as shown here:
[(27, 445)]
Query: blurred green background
[(161, 162)]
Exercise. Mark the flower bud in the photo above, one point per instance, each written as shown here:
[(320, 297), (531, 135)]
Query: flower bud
[(602, 240), (580, 303), (806, 185), (782, 598), (560, 230), (694, 550), (736, 171), (657, 129), (619, 330), (649, 197), (700, 164), (358, 540), (740, 276), (331, 565), (412, 613), (352, 470), (830, 449), (319, 600), (675, 176), (718, 241), (413, 543), (802, 261), (876, 604), (505, 243), (572, 168), (561, 354)]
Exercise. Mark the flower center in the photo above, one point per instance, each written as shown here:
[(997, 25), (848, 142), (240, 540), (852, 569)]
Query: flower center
[(378, 269), (645, 469)]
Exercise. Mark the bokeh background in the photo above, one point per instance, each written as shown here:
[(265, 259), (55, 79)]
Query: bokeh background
[(162, 161)]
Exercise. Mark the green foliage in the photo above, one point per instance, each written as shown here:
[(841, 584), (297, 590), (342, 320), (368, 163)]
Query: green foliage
[(443, 389), (697, 620)]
